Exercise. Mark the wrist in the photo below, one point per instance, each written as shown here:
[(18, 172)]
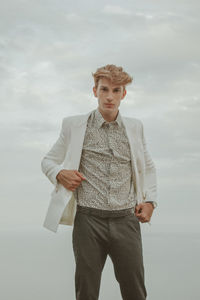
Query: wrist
[(58, 175), (153, 203)]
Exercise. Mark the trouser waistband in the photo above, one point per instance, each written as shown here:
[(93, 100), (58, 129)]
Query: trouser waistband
[(105, 213)]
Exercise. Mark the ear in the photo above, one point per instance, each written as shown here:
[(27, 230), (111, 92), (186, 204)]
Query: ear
[(95, 91), (124, 94)]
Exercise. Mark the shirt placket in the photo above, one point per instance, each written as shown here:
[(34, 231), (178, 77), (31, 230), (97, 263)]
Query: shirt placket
[(110, 165)]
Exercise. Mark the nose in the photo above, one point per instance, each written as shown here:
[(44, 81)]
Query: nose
[(110, 96)]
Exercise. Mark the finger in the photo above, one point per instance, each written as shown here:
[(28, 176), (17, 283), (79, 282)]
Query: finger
[(80, 175), (144, 217), (77, 180), (143, 220), (137, 208), (75, 184), (72, 188), (138, 213), (141, 217)]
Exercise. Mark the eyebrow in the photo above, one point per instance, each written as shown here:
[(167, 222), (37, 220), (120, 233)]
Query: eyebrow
[(104, 86)]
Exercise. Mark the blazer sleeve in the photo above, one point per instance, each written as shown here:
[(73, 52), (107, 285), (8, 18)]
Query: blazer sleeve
[(51, 163), (150, 178)]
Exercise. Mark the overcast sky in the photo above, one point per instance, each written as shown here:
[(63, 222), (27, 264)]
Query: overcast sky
[(48, 51)]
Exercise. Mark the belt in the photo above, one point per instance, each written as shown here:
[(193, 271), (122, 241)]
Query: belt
[(105, 213)]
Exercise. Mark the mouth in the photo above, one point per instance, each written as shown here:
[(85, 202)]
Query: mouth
[(109, 105)]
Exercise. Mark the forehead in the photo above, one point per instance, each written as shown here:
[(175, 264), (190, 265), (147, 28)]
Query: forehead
[(106, 82)]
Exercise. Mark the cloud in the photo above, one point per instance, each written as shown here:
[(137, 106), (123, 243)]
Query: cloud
[(116, 10), (48, 53)]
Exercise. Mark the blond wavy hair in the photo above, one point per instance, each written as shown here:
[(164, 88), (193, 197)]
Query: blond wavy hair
[(115, 74)]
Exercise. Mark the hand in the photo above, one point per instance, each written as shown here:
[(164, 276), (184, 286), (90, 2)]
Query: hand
[(144, 211), (70, 179)]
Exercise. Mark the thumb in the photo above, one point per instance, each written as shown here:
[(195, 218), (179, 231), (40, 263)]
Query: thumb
[(137, 208)]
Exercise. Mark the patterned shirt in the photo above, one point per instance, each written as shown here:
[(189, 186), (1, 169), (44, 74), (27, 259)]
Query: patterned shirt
[(106, 165)]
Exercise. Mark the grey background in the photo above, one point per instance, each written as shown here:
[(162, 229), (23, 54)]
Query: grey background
[(48, 50)]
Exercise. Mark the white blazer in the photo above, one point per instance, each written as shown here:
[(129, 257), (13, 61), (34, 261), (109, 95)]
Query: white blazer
[(66, 154)]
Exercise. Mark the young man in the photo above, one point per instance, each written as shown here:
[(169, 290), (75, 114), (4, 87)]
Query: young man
[(105, 184)]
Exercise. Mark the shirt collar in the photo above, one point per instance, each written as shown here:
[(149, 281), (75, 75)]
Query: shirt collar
[(100, 120)]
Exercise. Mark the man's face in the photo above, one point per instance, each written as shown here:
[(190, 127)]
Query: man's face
[(109, 96)]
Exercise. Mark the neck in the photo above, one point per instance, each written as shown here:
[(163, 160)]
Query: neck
[(109, 117)]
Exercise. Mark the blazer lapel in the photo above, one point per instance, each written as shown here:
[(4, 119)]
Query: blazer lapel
[(78, 134), (131, 139), (132, 142)]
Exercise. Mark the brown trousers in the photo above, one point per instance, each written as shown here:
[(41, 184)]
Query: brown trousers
[(98, 233)]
